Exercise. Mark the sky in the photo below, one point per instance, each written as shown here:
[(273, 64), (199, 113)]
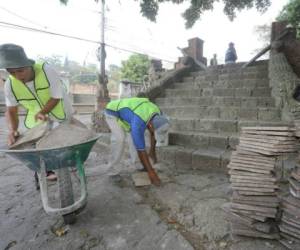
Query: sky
[(126, 30)]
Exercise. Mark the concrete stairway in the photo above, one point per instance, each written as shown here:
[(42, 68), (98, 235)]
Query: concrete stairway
[(207, 110)]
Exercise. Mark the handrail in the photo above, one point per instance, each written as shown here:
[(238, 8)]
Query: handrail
[(266, 49)]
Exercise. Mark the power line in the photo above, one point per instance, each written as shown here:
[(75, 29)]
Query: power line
[(48, 32), (21, 17), (132, 51), (108, 26), (16, 26)]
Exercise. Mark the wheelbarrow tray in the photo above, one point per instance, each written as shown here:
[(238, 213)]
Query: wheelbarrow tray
[(54, 158)]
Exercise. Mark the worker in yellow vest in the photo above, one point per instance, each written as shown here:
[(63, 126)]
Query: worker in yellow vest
[(34, 86), (135, 115)]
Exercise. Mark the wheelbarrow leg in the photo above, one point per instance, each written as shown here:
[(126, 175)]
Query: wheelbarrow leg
[(36, 178), (66, 193)]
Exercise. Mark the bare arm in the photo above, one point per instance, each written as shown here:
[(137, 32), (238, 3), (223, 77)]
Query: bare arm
[(12, 119), (42, 115), (152, 152), (147, 165)]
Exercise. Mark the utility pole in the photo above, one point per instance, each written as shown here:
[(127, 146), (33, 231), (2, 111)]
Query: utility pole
[(102, 96)]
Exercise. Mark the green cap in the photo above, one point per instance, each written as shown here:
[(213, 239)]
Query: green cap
[(13, 56)]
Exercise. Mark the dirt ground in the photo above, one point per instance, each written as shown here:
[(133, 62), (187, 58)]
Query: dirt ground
[(184, 213)]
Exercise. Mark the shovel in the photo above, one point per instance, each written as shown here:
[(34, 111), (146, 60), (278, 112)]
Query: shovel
[(32, 135)]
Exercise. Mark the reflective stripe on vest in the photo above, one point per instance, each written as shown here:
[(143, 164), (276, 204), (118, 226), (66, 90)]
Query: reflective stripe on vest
[(33, 104), (142, 107)]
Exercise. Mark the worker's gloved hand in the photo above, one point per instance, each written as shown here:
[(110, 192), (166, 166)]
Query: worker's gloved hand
[(12, 137), (41, 116)]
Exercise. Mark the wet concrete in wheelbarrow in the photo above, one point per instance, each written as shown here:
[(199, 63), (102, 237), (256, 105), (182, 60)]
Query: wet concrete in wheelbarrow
[(183, 213)]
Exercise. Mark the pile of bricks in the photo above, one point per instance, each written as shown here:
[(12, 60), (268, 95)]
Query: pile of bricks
[(290, 221), (253, 210)]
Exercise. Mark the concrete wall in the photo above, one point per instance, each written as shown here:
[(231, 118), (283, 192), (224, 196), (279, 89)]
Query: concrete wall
[(83, 98), (290, 45), (77, 88), (284, 72)]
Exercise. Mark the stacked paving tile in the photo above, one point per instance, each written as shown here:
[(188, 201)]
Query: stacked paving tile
[(290, 220), (253, 210), (207, 110)]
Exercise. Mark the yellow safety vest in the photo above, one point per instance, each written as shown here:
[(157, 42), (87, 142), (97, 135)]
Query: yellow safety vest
[(140, 106), (33, 104)]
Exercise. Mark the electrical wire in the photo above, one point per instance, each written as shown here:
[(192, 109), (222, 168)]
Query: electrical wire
[(108, 27), (21, 17), (16, 26)]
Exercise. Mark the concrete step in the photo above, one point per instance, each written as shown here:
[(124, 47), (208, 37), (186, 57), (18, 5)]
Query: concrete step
[(228, 92), (224, 69), (203, 139), (246, 83), (216, 125), (212, 159), (81, 108), (250, 102), (223, 112), (2, 108), (238, 75)]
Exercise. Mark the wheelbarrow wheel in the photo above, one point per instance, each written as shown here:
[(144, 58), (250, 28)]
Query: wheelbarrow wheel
[(66, 193), (69, 218)]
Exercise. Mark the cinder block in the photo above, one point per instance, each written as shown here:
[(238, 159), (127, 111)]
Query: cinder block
[(242, 92), (206, 160), (268, 114), (183, 159), (218, 141), (248, 114), (261, 92)]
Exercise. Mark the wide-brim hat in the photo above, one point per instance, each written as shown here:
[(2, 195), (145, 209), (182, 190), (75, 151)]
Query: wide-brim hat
[(13, 56)]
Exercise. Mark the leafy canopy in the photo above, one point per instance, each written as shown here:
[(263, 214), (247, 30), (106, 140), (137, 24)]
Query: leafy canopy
[(291, 14), (198, 7), (149, 8), (135, 68)]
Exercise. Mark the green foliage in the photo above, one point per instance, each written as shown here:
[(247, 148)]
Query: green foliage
[(90, 78), (55, 60), (149, 8), (76, 72), (135, 68), (291, 14)]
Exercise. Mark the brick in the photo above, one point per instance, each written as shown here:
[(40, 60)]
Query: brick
[(183, 159)]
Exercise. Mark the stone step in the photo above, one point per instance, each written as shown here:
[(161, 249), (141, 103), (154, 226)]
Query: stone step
[(223, 112), (230, 92), (239, 75), (2, 109), (216, 125), (250, 102), (212, 159), (248, 83), (194, 139), (229, 69)]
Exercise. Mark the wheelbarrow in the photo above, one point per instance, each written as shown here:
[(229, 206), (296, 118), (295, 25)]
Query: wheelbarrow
[(59, 159)]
